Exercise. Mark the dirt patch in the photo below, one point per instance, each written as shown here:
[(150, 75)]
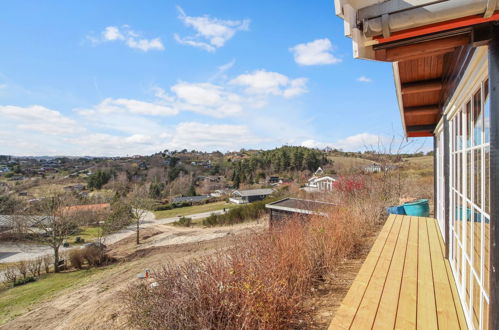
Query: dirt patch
[(96, 305)]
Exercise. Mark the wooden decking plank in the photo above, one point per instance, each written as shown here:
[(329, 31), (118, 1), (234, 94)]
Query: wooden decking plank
[(346, 312), (387, 309), (446, 310), (366, 313), (426, 308), (455, 296), (405, 282), (407, 305)]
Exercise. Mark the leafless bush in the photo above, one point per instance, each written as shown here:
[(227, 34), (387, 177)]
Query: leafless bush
[(93, 255), (35, 266), (22, 268), (47, 262), (11, 274), (76, 258), (260, 283)]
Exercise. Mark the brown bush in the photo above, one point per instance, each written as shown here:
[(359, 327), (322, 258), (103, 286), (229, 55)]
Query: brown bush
[(94, 256), (47, 262), (259, 283), (34, 267), (76, 258), (11, 274), (22, 268)]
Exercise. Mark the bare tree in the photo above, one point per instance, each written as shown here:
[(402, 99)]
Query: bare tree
[(140, 203), (54, 222)]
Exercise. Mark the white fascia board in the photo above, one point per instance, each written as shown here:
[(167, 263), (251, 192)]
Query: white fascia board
[(398, 89)]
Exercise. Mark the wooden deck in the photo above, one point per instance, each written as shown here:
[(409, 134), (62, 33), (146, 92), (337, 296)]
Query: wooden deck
[(404, 283)]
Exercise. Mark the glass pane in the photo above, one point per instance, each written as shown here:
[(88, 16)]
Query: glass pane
[(459, 217), (469, 229), (460, 174), (477, 240), (477, 180), (468, 124), (486, 256), (476, 303), (485, 312), (486, 110), (486, 182), (467, 278), (468, 174), (459, 132), (477, 118)]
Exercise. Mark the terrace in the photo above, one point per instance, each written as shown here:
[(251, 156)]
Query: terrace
[(404, 283)]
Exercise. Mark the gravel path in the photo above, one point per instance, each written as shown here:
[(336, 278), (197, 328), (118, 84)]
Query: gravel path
[(15, 251)]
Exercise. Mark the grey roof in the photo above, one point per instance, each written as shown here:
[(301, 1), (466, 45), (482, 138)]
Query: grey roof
[(8, 220), (254, 192), (190, 198), (297, 205)]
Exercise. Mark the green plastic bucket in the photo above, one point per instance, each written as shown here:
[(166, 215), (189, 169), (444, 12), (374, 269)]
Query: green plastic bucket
[(420, 208)]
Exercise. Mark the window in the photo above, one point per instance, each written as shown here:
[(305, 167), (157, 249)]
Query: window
[(470, 203)]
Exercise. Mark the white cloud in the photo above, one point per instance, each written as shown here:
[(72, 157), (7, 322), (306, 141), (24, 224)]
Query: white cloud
[(265, 82), (190, 135), (3, 86), (356, 142), (110, 105), (38, 118), (208, 99), (317, 52), (194, 135), (211, 33), (129, 37), (364, 79)]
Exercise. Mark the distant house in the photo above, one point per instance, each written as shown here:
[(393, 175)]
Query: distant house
[(301, 209), (324, 183), (8, 222), (273, 180), (190, 199), (220, 193), (103, 207), (248, 196), (373, 168), (376, 168)]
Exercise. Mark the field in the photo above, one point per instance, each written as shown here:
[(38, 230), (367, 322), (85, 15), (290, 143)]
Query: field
[(87, 233), (90, 299), (183, 211), (346, 165), (16, 301)]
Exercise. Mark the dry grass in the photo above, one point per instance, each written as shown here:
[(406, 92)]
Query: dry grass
[(265, 280), (261, 282)]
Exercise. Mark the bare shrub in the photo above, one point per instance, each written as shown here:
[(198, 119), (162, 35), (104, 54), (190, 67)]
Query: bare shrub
[(47, 262), (22, 268), (34, 267), (76, 258), (94, 255), (259, 283), (11, 274)]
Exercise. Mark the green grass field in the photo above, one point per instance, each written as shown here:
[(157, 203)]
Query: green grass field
[(184, 211), (86, 233), (16, 301)]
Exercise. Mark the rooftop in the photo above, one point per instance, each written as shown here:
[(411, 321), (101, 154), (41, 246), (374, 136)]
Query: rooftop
[(190, 198), (254, 192), (296, 205)]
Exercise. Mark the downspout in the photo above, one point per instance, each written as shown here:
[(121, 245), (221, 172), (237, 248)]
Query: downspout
[(424, 15)]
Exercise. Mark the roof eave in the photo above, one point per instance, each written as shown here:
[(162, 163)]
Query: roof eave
[(398, 89)]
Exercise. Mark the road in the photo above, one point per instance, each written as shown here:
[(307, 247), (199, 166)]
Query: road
[(14, 251)]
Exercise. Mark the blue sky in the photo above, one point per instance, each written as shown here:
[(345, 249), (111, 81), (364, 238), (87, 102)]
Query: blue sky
[(130, 77)]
